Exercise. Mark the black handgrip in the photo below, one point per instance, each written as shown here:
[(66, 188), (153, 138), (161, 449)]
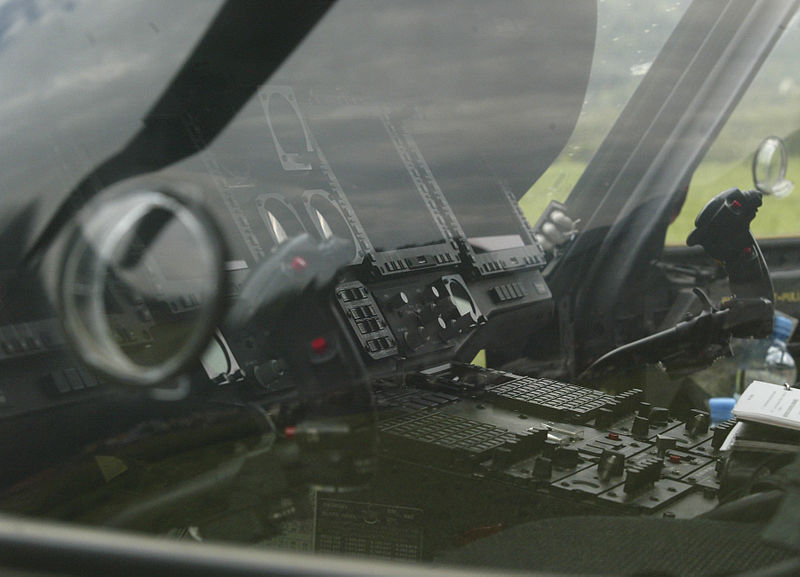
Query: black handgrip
[(723, 229)]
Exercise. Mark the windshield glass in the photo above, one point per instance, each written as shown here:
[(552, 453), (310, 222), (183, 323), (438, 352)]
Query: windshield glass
[(389, 281), (627, 43), (766, 109)]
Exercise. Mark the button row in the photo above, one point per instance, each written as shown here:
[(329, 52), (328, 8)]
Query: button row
[(380, 344), (352, 294), (507, 292), (70, 380)]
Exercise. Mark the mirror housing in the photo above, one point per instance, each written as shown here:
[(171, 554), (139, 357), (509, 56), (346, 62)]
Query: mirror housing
[(769, 168)]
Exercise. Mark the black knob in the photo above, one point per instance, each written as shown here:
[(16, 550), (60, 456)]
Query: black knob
[(642, 475), (698, 423), (644, 409), (531, 441), (414, 338), (627, 400), (641, 427), (658, 416), (612, 464), (464, 322), (721, 432), (428, 312), (549, 449), (397, 301), (665, 443), (565, 458), (269, 372), (434, 292), (447, 330)]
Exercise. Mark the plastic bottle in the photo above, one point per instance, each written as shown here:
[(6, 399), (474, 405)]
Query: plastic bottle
[(720, 409), (769, 360)]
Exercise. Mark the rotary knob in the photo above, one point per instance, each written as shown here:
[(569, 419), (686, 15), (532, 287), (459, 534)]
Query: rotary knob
[(397, 301), (432, 293), (428, 312), (447, 330), (464, 322), (414, 338)]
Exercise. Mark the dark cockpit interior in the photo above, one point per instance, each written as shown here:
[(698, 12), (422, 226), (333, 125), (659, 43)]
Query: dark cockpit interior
[(279, 275)]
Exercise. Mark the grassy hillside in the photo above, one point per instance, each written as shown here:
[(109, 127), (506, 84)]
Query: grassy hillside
[(777, 217)]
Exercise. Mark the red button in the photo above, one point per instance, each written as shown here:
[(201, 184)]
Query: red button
[(319, 345), (299, 263), (290, 432), (674, 459), (613, 436)]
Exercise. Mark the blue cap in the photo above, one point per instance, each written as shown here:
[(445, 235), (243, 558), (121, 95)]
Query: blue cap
[(720, 408), (783, 327)]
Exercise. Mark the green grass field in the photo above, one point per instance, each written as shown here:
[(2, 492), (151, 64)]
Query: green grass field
[(777, 217)]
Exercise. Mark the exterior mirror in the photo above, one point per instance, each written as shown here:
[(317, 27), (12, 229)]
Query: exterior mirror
[(141, 285), (769, 168)]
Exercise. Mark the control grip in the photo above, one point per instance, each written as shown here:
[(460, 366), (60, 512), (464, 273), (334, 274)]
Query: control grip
[(723, 229)]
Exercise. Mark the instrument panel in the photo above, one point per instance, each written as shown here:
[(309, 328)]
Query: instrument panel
[(423, 223), (442, 262), (332, 165)]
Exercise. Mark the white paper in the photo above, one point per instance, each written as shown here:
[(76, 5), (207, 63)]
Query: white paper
[(770, 404)]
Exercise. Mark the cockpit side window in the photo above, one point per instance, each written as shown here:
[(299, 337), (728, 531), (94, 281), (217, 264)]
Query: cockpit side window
[(769, 108)]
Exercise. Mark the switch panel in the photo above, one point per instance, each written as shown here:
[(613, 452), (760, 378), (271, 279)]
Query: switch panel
[(365, 318)]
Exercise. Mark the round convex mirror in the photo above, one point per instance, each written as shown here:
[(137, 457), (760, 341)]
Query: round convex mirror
[(141, 285), (769, 168)]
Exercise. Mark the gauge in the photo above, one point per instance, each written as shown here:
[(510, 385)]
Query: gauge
[(280, 219), (327, 217)]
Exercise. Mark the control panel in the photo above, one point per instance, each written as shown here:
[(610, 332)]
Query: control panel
[(430, 316), (610, 453), (467, 451)]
